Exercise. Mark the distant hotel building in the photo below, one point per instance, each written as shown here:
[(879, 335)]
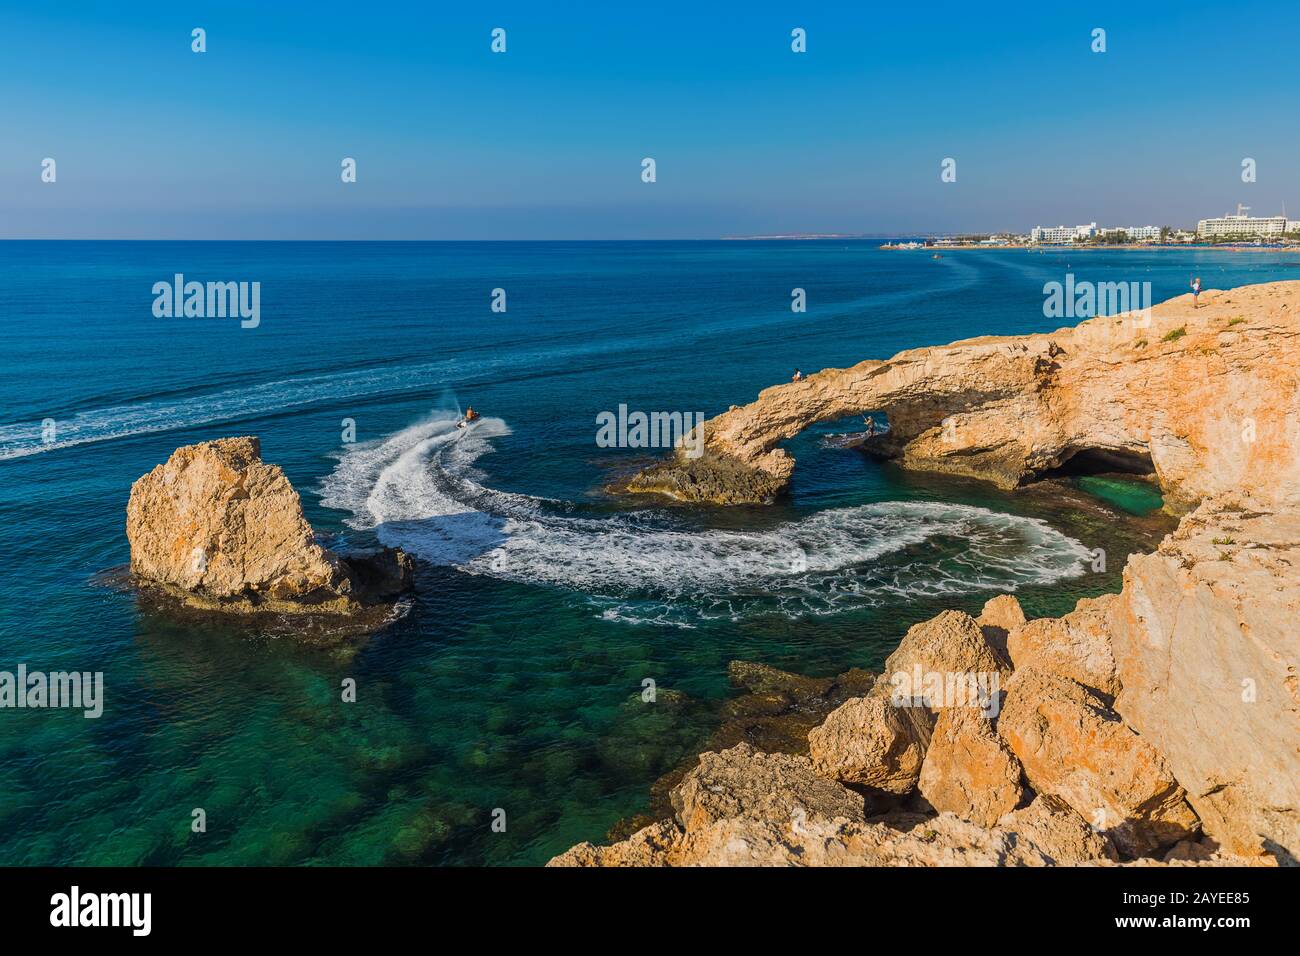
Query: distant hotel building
[(1245, 226), (1134, 233), (1062, 233), (1075, 233)]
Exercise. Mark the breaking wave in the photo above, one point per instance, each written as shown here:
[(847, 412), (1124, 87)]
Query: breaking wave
[(420, 489)]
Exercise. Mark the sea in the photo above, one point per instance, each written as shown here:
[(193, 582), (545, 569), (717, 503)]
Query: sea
[(515, 705)]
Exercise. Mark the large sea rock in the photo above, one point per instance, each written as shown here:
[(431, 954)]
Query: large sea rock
[(220, 529)]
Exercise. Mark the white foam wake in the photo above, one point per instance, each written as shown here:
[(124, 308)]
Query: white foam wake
[(420, 490)]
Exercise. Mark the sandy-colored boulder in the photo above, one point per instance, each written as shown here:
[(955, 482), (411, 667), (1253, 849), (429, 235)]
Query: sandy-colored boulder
[(869, 741), (1072, 746), (948, 661), (1207, 641), (221, 528), (1056, 830), (1003, 611), (1076, 646), (968, 769), (744, 782)]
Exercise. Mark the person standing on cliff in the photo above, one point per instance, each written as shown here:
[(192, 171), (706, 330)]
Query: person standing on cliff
[(1196, 293)]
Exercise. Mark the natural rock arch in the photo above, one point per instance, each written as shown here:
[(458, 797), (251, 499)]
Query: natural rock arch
[(1206, 399)]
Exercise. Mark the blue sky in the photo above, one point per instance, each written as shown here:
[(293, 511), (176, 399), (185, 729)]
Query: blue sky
[(546, 141)]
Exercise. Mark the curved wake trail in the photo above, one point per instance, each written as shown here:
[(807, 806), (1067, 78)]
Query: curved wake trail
[(419, 489)]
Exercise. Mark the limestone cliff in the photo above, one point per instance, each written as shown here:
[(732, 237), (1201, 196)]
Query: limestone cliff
[(1207, 649)]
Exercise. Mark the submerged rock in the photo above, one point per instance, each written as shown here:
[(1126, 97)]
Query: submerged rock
[(219, 529), (774, 716)]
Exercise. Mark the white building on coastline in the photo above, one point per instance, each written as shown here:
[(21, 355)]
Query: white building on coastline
[(1062, 233), (1240, 225), (1134, 233)]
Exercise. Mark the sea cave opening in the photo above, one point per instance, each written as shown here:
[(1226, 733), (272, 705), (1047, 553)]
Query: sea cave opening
[(1080, 462), (1121, 478)]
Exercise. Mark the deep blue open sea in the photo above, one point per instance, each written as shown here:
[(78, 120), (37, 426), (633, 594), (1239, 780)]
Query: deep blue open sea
[(514, 681)]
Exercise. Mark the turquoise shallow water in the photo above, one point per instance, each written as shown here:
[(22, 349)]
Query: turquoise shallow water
[(1135, 497), (542, 604)]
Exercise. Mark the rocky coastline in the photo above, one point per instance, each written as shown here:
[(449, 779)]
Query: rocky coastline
[(1159, 725)]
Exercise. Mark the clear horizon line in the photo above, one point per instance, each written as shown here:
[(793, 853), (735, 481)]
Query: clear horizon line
[(737, 237)]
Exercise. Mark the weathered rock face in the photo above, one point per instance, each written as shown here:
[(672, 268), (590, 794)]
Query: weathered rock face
[(744, 782), (870, 742), (1003, 612), (650, 846), (1092, 785), (944, 840), (1196, 396), (1076, 646), (1045, 833), (1207, 640), (1072, 746), (951, 651), (225, 530), (1057, 831), (1000, 616), (968, 768)]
